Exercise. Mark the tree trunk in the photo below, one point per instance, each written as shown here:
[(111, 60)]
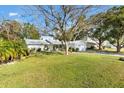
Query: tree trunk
[(66, 48), (100, 45), (63, 45), (8, 35), (118, 48)]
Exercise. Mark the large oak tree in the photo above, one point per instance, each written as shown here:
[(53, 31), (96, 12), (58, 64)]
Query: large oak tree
[(63, 20), (98, 31), (115, 25)]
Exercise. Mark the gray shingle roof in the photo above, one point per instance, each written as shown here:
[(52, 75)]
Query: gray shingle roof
[(35, 42), (54, 42)]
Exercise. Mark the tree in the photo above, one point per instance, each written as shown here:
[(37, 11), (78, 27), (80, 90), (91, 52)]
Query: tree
[(63, 20), (30, 31), (98, 30), (12, 45), (115, 25), (99, 35), (82, 28), (11, 30)]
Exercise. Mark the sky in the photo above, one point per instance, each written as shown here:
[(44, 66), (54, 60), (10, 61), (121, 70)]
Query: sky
[(10, 12), (15, 12)]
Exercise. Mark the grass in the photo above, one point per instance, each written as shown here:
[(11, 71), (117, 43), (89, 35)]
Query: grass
[(75, 70)]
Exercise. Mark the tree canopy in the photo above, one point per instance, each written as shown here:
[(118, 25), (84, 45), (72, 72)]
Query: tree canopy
[(63, 20), (30, 31), (98, 31), (115, 25)]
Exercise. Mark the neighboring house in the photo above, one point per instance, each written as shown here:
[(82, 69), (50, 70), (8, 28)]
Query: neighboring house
[(107, 44), (53, 44), (91, 42)]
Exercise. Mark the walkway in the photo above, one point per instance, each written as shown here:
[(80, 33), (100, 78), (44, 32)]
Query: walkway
[(111, 54)]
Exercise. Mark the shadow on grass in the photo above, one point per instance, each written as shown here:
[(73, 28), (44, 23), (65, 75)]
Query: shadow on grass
[(46, 53), (51, 53)]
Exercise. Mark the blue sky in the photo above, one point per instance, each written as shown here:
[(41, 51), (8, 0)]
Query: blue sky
[(10, 12), (15, 12)]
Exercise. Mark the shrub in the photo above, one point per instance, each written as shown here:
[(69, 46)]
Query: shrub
[(70, 49), (73, 50), (121, 58), (91, 48), (10, 50), (77, 49), (32, 50), (39, 50)]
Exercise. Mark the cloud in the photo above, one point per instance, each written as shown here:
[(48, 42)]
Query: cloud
[(13, 14)]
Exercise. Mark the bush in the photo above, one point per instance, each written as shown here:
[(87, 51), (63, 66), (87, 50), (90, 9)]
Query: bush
[(10, 50), (121, 58), (70, 49), (32, 50), (104, 47), (73, 49), (39, 50), (91, 48), (77, 49)]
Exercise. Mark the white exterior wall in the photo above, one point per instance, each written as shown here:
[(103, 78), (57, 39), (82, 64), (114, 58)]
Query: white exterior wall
[(82, 47), (107, 44), (78, 44), (89, 45), (47, 38), (36, 47), (50, 47)]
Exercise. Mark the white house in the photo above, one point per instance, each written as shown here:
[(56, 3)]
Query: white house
[(108, 44), (53, 44)]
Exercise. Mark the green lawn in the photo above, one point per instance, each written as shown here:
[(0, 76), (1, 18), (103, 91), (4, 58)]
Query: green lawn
[(81, 70)]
